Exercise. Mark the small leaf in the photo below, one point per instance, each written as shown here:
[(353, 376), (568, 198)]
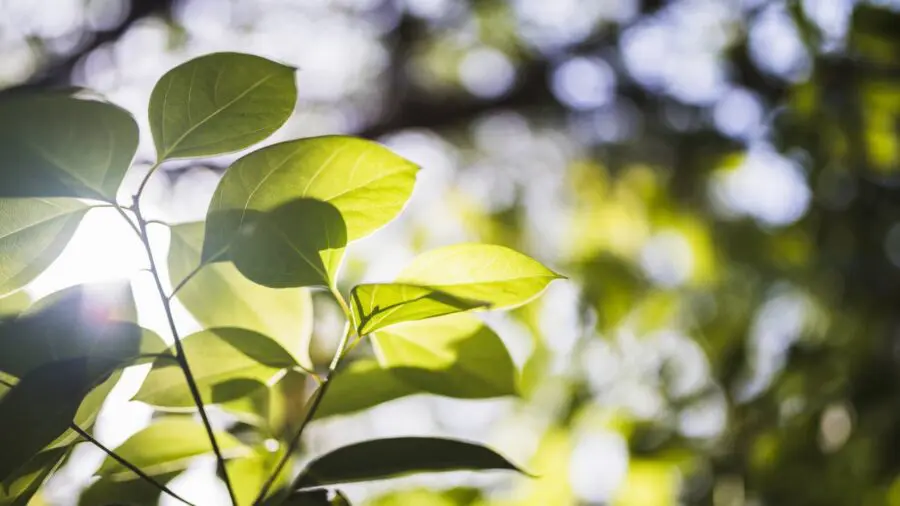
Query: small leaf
[(18, 489), (394, 457), (377, 306), (33, 233), (59, 146), (220, 296), (300, 243), (166, 446), (456, 356), (227, 363), (219, 103), (362, 385), (40, 408), (248, 474), (366, 182), (495, 274)]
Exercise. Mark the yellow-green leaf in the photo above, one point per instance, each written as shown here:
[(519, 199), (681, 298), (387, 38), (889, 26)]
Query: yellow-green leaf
[(495, 274), (219, 103), (366, 182), (220, 296), (380, 305)]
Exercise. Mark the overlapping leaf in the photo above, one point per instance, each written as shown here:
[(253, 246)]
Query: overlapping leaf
[(56, 145), (367, 183), (18, 489), (227, 363), (219, 103), (377, 306), (33, 233), (220, 296)]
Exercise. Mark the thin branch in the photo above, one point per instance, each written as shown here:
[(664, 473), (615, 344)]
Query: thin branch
[(179, 349), (127, 218), (131, 467), (194, 272), (314, 403), (143, 185)]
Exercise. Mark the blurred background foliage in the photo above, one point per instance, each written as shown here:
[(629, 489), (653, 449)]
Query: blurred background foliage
[(719, 179)]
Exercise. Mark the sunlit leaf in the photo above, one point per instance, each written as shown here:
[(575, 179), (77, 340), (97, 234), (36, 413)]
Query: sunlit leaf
[(497, 275), (455, 356), (227, 363), (219, 103), (40, 408), (220, 296), (33, 233), (387, 458), (18, 489), (124, 492), (14, 303), (58, 146), (376, 306), (168, 445), (300, 243), (248, 474), (429, 497), (317, 498), (362, 385), (365, 181)]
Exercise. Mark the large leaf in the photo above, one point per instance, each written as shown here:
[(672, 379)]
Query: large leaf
[(227, 363), (88, 410), (362, 385), (376, 306), (93, 321), (455, 356), (365, 181), (394, 457), (490, 273), (220, 296), (40, 408), (33, 233), (219, 103), (166, 446), (124, 492), (300, 243), (18, 489), (58, 146)]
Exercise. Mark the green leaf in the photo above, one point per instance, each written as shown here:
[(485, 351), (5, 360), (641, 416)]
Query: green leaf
[(168, 445), (388, 458), (455, 356), (58, 146), (220, 296), (227, 363), (365, 181), (18, 489), (88, 410), (316, 498), (33, 233), (494, 274), (362, 385), (248, 474), (40, 408), (121, 492), (91, 321), (300, 243), (376, 306), (219, 103)]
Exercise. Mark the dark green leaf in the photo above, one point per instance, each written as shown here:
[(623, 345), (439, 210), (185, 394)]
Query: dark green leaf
[(58, 146), (300, 243), (220, 296), (166, 446), (455, 356), (317, 498), (394, 457), (131, 492), (227, 363), (18, 489), (366, 182), (377, 306), (40, 408), (33, 233), (219, 103), (497, 275)]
